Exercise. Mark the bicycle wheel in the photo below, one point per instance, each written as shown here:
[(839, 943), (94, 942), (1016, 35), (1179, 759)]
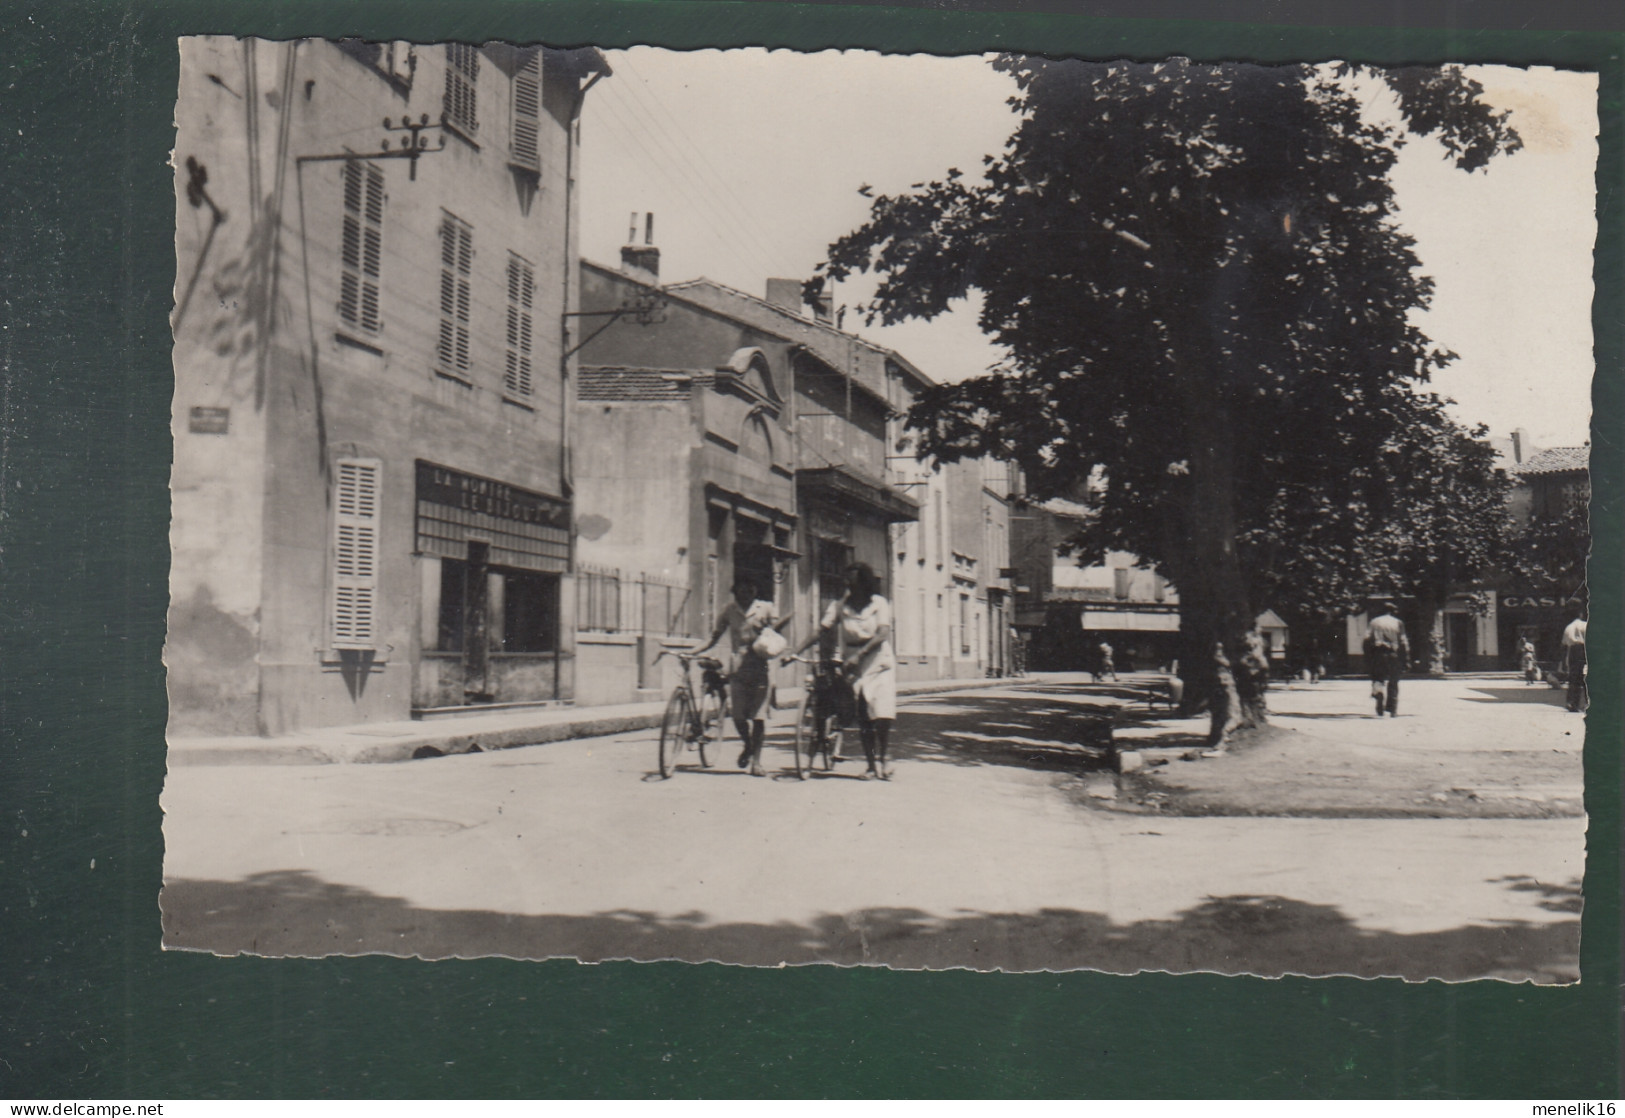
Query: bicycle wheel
[(806, 714), (712, 726), (675, 727)]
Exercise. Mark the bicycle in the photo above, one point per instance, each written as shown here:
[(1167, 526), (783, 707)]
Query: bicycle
[(689, 717), (819, 732)]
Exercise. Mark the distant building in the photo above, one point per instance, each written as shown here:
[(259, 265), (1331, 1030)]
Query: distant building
[(1483, 623), (370, 489), (1064, 612), (1550, 483)]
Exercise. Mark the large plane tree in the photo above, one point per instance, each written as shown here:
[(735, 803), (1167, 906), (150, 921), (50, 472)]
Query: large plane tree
[(1206, 305)]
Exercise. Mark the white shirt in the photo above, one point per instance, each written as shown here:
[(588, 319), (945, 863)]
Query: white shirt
[(857, 628)]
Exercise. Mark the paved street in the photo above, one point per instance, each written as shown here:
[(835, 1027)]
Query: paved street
[(1004, 842)]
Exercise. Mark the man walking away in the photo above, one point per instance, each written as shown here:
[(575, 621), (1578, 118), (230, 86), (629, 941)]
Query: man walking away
[(1387, 652), (1574, 657)]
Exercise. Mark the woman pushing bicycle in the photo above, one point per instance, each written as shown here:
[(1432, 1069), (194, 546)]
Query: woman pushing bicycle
[(862, 622), (755, 639)]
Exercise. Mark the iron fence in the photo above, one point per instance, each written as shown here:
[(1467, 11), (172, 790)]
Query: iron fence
[(609, 600)]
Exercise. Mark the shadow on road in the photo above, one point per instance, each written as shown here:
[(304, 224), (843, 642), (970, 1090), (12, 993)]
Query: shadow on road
[(293, 913), (1026, 732), (1521, 693), (1554, 898)]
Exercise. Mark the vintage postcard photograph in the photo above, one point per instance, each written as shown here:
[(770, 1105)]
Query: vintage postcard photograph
[(771, 508)]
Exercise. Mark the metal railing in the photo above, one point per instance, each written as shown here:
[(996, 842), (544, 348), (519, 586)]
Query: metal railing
[(609, 600)]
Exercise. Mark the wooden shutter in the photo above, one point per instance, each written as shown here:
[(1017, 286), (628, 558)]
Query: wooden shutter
[(527, 114), (361, 246), (462, 72), (456, 268), (355, 554), (521, 300)]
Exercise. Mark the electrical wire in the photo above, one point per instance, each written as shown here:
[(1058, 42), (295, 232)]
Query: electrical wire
[(658, 107), (623, 116)]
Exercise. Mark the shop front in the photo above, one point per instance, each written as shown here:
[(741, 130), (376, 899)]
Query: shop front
[(492, 558), (846, 518), (1143, 636), (744, 539), (1540, 616)]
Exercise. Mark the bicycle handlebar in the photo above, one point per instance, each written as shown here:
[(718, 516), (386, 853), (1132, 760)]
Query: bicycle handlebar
[(687, 657), (813, 661)]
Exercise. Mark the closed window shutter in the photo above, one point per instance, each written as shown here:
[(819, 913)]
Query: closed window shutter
[(462, 72), (527, 113), (361, 247), (521, 300), (355, 554), (456, 268)]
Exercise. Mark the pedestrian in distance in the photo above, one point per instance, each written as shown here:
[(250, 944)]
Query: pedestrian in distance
[(748, 621), (1387, 651), (1106, 655), (1526, 658), (861, 625), (1574, 661)]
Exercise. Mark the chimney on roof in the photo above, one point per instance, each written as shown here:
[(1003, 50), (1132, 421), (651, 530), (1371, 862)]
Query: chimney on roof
[(1520, 444), (823, 307), (641, 262), (785, 294)]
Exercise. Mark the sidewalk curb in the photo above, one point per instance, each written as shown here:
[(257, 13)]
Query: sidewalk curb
[(357, 745)]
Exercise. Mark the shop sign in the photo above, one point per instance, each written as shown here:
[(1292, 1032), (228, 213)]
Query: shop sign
[(1533, 602), (441, 486)]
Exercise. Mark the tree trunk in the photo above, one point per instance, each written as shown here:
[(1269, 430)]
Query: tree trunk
[(1223, 627)]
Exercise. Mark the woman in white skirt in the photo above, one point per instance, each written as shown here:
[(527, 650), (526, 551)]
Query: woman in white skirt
[(861, 623)]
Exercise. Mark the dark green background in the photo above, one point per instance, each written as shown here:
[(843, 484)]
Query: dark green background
[(90, 1008)]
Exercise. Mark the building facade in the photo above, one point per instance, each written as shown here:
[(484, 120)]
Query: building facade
[(685, 474), (371, 510), (1549, 485), (726, 433)]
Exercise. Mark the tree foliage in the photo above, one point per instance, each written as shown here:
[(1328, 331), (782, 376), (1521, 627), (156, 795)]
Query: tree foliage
[(1206, 307), (1550, 550)]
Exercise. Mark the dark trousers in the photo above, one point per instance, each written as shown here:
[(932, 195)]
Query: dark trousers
[(1385, 669), (1577, 677)]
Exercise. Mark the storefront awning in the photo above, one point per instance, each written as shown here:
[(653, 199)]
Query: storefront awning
[(846, 487), (1162, 621)]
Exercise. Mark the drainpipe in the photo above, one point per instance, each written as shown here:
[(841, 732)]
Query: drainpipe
[(566, 384)]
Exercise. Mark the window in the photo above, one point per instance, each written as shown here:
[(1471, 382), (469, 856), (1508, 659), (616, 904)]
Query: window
[(355, 554), (530, 611), (964, 624), (1120, 576), (527, 114), (462, 72), (456, 266), (361, 245), (394, 62), (521, 298), (524, 608), (453, 604), (942, 531)]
